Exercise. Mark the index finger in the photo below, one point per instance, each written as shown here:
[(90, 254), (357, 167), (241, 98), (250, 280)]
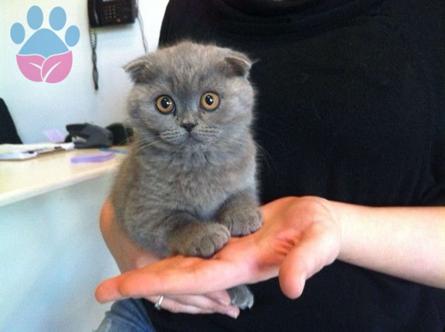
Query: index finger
[(175, 275)]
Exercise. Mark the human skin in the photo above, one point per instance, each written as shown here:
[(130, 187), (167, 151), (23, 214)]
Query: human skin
[(299, 237)]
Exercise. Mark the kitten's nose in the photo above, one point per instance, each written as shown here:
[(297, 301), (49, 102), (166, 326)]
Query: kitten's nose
[(188, 126)]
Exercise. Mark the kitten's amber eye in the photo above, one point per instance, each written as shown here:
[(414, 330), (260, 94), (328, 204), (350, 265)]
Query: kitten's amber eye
[(209, 101), (165, 104)]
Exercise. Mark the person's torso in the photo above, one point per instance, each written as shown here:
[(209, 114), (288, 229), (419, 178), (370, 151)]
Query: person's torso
[(346, 110)]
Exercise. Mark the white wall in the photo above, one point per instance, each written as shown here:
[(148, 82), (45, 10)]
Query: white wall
[(39, 106)]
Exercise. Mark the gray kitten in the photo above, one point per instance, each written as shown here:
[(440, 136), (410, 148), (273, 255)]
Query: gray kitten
[(188, 182)]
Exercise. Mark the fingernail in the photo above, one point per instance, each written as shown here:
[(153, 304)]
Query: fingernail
[(233, 312)]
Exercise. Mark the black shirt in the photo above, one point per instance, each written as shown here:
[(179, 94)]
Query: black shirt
[(351, 108)]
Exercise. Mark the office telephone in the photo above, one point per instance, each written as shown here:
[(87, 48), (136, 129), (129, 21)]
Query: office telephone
[(111, 12)]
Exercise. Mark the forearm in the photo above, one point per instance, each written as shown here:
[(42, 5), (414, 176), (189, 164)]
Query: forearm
[(127, 254), (404, 242)]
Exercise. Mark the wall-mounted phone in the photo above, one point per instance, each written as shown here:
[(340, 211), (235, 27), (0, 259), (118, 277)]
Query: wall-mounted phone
[(110, 12)]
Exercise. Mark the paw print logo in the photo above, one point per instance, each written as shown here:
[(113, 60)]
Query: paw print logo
[(44, 56)]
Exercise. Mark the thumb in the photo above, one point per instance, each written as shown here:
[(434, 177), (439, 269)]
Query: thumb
[(292, 274), (308, 256)]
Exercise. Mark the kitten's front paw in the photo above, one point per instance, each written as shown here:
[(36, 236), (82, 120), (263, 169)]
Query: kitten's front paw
[(204, 241), (241, 297), (242, 221)]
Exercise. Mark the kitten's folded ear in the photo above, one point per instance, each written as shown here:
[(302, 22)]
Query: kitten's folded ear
[(141, 70), (236, 64)]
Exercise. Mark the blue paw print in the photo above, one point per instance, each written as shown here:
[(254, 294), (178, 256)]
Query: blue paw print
[(45, 42)]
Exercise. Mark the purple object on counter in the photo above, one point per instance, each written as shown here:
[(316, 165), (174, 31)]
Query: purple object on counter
[(92, 158), (54, 135)]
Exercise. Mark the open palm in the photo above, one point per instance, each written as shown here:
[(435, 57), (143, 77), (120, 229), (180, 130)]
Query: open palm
[(299, 237)]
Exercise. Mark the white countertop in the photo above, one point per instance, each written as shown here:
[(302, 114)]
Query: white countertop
[(24, 179)]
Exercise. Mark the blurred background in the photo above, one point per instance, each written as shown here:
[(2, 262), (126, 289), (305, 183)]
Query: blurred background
[(52, 255)]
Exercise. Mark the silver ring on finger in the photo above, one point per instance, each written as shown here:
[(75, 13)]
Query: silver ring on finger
[(159, 302)]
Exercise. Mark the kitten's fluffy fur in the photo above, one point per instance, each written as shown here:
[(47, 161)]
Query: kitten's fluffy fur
[(187, 192)]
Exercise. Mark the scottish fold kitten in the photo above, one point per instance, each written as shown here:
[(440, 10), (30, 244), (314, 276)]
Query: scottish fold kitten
[(188, 182)]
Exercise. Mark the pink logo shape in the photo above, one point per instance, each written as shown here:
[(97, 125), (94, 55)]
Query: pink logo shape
[(51, 70)]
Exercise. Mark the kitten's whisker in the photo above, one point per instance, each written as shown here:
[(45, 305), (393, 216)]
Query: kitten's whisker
[(145, 145), (263, 154)]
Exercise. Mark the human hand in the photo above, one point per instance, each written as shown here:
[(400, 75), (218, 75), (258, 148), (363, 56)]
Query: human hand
[(299, 237), (129, 256)]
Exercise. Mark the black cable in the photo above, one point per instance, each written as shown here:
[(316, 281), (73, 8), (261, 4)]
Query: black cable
[(93, 43), (141, 27)]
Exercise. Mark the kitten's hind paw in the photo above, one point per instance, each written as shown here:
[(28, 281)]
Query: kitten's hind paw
[(241, 297)]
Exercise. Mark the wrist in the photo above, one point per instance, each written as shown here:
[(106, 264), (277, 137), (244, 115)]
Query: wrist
[(351, 219), (335, 211)]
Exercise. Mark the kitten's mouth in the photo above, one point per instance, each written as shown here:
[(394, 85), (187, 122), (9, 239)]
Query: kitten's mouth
[(191, 137)]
